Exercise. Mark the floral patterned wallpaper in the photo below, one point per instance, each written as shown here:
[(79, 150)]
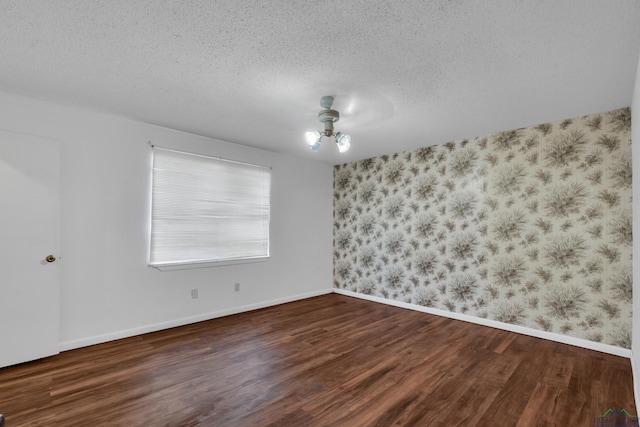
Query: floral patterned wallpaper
[(530, 227)]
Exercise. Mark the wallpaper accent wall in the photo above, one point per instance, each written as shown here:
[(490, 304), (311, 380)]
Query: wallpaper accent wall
[(530, 227)]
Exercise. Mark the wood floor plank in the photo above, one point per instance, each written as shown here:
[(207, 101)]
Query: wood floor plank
[(329, 360)]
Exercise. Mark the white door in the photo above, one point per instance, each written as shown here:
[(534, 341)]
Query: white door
[(29, 233)]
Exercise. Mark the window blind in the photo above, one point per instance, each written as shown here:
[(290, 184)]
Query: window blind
[(205, 209)]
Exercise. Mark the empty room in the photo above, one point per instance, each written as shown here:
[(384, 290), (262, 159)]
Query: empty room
[(357, 213)]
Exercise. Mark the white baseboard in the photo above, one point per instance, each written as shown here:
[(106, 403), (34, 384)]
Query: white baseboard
[(84, 342), (578, 342), (604, 348)]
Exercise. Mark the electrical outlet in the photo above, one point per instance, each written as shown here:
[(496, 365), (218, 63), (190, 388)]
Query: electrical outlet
[(194, 293), (236, 287)]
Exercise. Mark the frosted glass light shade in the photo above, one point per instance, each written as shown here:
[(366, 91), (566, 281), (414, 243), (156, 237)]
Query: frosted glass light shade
[(343, 141), (312, 138), (315, 147)]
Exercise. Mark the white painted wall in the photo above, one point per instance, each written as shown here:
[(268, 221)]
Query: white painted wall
[(107, 290), (635, 147)]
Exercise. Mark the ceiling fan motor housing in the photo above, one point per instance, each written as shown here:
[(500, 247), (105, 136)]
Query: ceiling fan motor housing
[(328, 116)]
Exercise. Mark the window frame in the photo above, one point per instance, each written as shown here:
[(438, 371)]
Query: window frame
[(261, 209)]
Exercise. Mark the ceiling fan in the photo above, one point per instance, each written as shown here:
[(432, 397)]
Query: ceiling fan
[(328, 117)]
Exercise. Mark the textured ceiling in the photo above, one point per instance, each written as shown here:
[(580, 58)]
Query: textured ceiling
[(404, 74)]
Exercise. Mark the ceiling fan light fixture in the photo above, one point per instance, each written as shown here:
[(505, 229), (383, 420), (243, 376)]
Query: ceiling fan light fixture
[(328, 117)]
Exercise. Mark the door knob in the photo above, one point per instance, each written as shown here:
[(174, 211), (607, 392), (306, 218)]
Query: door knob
[(50, 258)]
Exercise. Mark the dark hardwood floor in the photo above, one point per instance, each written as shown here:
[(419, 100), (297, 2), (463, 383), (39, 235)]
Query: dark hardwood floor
[(331, 361)]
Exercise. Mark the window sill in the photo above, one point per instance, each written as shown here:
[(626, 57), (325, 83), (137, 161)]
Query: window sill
[(207, 264)]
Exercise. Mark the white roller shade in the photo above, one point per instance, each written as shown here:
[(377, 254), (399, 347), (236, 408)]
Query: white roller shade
[(206, 209)]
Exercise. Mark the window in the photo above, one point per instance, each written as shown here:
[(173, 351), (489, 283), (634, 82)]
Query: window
[(205, 209)]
